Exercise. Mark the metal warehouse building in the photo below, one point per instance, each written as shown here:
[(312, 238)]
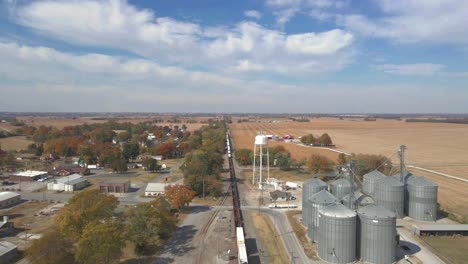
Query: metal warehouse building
[(9, 198), (115, 186), (69, 183), (440, 230), (28, 175)]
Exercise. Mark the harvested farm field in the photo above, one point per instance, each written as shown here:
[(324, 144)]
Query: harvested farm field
[(435, 146), (15, 143)]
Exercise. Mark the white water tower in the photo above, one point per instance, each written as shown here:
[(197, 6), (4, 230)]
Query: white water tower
[(260, 153)]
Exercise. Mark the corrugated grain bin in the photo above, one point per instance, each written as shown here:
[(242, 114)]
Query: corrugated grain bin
[(337, 234), (309, 188), (369, 181), (422, 199), (390, 194), (340, 188), (356, 200), (376, 234), (314, 203)]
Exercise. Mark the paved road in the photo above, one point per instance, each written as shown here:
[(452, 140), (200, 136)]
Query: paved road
[(422, 253), (290, 241)]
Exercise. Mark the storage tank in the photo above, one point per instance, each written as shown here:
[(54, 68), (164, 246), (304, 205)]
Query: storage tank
[(390, 194), (309, 188), (261, 140), (313, 204), (356, 200), (376, 234), (369, 181), (337, 234), (422, 199), (340, 188)]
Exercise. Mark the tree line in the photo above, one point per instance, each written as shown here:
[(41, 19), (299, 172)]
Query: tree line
[(316, 163), (323, 140), (203, 164)]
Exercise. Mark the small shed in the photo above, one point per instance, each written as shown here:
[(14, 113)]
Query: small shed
[(69, 183), (8, 251), (9, 198), (115, 186), (155, 189)]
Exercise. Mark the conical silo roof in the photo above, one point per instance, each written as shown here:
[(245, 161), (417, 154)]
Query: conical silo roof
[(323, 197), (337, 210), (315, 182), (375, 211), (374, 174)]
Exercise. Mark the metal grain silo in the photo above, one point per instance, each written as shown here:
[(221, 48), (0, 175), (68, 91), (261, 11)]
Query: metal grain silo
[(408, 178), (314, 203), (390, 194), (309, 188), (369, 181), (340, 188), (356, 200), (422, 199), (376, 234), (337, 234)]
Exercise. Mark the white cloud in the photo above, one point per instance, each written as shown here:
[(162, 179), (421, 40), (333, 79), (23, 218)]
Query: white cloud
[(117, 24), (284, 10), (422, 69), (45, 79), (323, 43), (414, 21), (253, 14)]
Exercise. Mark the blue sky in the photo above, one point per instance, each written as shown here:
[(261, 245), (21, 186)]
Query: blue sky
[(320, 56)]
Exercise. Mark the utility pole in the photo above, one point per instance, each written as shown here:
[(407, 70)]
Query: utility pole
[(351, 175), (402, 162)]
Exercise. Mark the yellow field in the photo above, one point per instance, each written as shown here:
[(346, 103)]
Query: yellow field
[(435, 146), (15, 143)]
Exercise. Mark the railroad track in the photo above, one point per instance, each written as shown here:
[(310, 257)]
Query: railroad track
[(238, 218), (206, 227)]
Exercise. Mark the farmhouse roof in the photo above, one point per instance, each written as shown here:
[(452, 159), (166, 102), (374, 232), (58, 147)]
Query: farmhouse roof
[(7, 195), (72, 179), (30, 173), (155, 187)]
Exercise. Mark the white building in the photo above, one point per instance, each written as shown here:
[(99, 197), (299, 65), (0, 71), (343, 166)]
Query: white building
[(155, 189), (9, 198), (151, 136), (28, 175), (68, 183)]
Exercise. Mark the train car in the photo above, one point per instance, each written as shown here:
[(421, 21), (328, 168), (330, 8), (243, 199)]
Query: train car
[(241, 249)]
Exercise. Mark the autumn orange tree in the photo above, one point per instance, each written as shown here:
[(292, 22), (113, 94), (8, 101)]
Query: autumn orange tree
[(178, 196), (319, 164), (84, 208), (244, 156)]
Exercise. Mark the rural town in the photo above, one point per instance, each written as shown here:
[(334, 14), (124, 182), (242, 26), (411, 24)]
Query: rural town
[(233, 132)]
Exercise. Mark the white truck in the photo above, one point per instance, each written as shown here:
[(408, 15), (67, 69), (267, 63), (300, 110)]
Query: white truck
[(292, 185), (281, 206)]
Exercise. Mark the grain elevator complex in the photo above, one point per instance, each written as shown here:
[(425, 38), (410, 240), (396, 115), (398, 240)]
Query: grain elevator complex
[(352, 222)]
